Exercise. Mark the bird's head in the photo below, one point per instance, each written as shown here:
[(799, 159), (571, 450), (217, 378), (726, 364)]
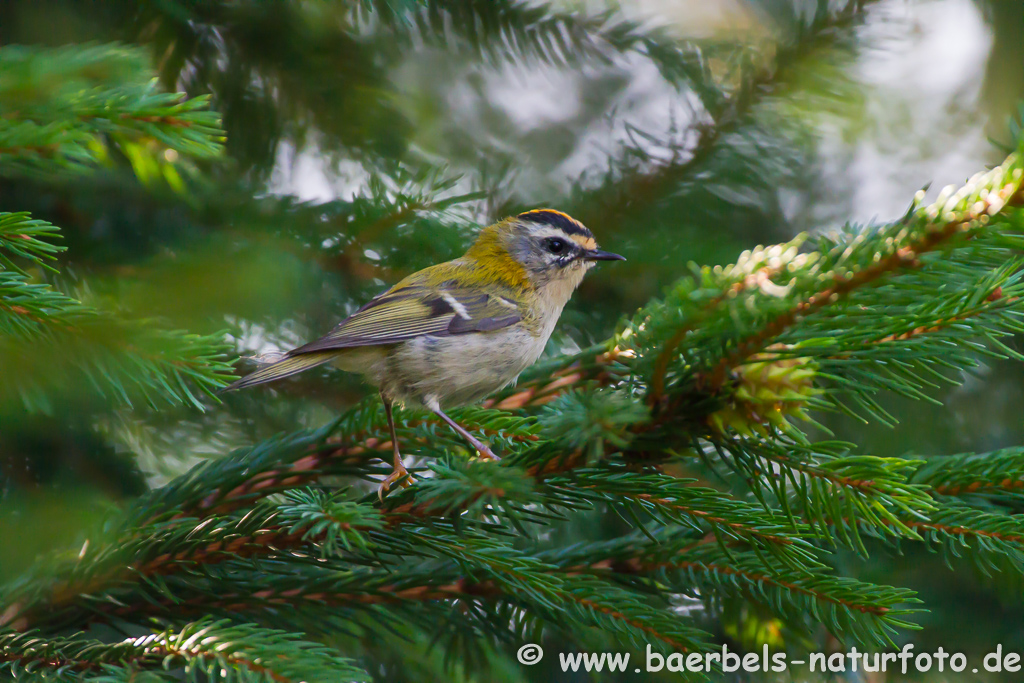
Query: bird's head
[(550, 248)]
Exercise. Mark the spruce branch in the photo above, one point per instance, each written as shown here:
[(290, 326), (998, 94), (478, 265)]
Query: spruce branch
[(58, 110), (761, 268), (23, 655), (962, 522), (997, 473), (348, 447), (62, 108), (205, 650), (493, 577), (476, 569), (671, 501), (991, 541), (548, 380), (956, 215), (719, 321), (51, 338), (28, 239), (533, 584), (905, 257), (214, 648), (121, 557), (822, 483), (850, 609), (329, 524)]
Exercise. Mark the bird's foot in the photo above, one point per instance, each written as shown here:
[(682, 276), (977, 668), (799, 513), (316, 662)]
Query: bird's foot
[(397, 473), (485, 451)]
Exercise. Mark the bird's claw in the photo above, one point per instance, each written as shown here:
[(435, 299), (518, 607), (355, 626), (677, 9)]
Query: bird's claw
[(397, 473), (485, 452)]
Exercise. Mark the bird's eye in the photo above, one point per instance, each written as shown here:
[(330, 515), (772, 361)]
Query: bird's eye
[(555, 245)]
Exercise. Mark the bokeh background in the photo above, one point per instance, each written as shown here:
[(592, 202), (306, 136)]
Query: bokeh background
[(367, 140)]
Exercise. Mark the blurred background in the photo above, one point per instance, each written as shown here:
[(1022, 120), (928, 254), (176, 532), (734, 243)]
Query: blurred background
[(366, 140)]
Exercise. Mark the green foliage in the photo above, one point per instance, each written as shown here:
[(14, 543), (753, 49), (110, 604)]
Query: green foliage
[(63, 110), (586, 421), (866, 612), (652, 486), (69, 109), (205, 650), (25, 238)]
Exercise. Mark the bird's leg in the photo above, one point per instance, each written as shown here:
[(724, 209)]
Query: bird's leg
[(483, 448), (398, 470)]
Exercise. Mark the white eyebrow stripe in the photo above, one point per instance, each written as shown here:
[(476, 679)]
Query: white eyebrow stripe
[(548, 231), (456, 305)]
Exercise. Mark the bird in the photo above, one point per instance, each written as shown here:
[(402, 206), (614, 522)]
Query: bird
[(454, 333)]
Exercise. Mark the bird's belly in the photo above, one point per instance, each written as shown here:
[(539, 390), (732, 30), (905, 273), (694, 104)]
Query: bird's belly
[(369, 361), (459, 369)]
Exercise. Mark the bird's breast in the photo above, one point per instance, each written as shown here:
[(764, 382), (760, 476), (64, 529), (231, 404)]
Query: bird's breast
[(459, 369)]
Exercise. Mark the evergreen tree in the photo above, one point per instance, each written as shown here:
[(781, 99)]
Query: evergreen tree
[(673, 486), (66, 112)]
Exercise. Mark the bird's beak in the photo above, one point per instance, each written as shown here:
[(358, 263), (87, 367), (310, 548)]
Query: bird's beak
[(598, 255)]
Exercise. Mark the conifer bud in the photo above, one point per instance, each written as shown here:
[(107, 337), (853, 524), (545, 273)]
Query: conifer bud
[(765, 392)]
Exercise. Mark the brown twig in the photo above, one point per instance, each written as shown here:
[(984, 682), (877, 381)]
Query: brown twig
[(1006, 484), (546, 389), (964, 531), (386, 595), (22, 150), (162, 651), (165, 650), (168, 120), (713, 520)]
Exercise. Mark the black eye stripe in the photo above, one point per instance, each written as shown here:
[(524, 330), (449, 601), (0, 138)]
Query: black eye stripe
[(557, 245)]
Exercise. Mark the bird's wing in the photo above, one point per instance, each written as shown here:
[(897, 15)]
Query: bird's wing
[(413, 310), (409, 309)]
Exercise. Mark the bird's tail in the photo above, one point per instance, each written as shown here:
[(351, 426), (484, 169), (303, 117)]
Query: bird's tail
[(286, 367)]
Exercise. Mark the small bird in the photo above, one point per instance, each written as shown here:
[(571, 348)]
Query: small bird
[(455, 332)]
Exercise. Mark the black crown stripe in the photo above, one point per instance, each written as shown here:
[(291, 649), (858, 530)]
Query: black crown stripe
[(555, 219)]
